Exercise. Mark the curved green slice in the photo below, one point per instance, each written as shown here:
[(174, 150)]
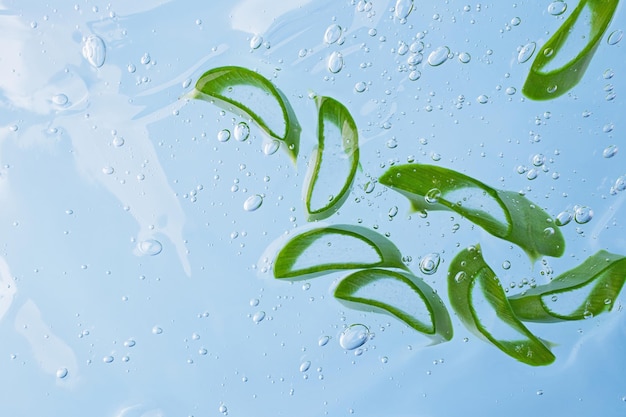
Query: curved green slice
[(333, 117), (403, 285), (218, 86), (467, 270), (603, 276), (342, 244), (505, 214), (542, 85)]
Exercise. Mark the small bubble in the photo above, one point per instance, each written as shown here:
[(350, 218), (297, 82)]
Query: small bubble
[(615, 37), (360, 87), (258, 316), (557, 8), (304, 366), (429, 263), (253, 202), (187, 83), (414, 75), (223, 409), (354, 336), (118, 141), (506, 265), (538, 160), (482, 99), (129, 343), (94, 51), (583, 214), (131, 68), (223, 135), (610, 151), (157, 330), (332, 34), (108, 359), (432, 196), (526, 52), (60, 99), (241, 132), (384, 359), (460, 276), (510, 91), (403, 9), (438, 56), (323, 340), (108, 170), (516, 21), (256, 41), (145, 59), (62, 373), (563, 218), (335, 62), (150, 247), (270, 148), (464, 57)]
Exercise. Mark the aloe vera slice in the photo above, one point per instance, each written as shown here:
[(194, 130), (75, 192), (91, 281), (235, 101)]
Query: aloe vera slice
[(546, 85), (335, 129), (505, 214), (334, 248), (220, 86), (467, 270), (417, 298), (601, 276)]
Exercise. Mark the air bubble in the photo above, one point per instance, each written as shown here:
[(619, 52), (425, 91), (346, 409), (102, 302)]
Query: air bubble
[(270, 148), (482, 99), (563, 218), (323, 341), (438, 56), (610, 151), (460, 276), (304, 366), (150, 247), (118, 141), (241, 132), (526, 52), (60, 99), (557, 8), (256, 41), (432, 196), (94, 51), (615, 37), (583, 214), (430, 263), (403, 9), (223, 135), (332, 34), (354, 337), (360, 87), (253, 202), (145, 59), (464, 57), (258, 316), (335, 62), (61, 373)]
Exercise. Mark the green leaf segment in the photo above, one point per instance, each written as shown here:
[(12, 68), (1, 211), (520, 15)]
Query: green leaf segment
[(546, 85), (218, 86), (335, 114), (602, 274), (346, 240), (439, 329), (466, 270), (505, 214)]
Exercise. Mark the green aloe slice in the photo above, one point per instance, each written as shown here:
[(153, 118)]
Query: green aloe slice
[(469, 269), (601, 276), (417, 299), (220, 86), (336, 130), (505, 214), (547, 85), (333, 248)]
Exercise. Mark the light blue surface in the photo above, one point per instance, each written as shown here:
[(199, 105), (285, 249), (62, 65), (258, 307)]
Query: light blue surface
[(76, 291)]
